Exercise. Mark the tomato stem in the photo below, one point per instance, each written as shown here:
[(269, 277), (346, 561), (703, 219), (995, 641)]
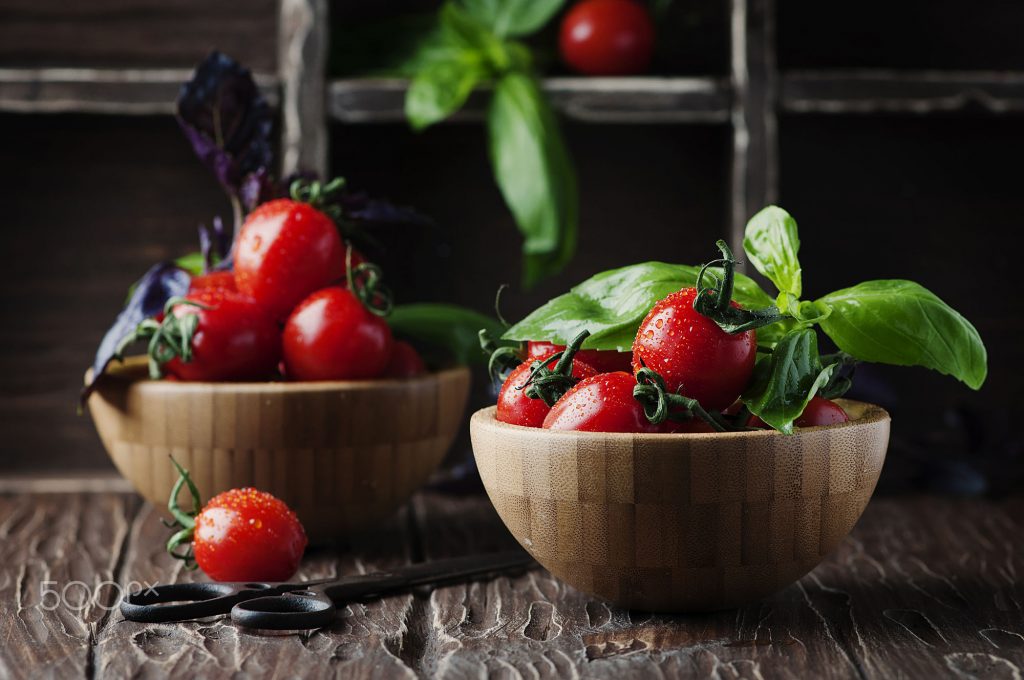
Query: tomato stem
[(502, 359), (186, 521), (661, 405), (550, 384), (374, 295), (713, 301)]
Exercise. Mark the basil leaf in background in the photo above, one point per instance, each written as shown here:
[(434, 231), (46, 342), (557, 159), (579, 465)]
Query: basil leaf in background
[(513, 18), (440, 89), (901, 322), (612, 304), (193, 263), (535, 175), (227, 121), (450, 328), (785, 380), (215, 247), (771, 242), (158, 285)]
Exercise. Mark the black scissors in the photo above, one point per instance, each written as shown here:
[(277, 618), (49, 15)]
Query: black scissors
[(308, 604)]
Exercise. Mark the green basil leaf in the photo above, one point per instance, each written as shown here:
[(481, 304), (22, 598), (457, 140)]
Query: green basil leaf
[(512, 18), (612, 304), (785, 380), (771, 242), (533, 170), (193, 263), (441, 88), (452, 329), (901, 322)]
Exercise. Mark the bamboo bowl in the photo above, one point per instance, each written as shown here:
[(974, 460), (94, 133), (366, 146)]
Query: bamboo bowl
[(681, 522), (343, 455)]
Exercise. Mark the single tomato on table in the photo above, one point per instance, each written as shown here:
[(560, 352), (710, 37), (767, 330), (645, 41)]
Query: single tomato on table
[(239, 535), (331, 335)]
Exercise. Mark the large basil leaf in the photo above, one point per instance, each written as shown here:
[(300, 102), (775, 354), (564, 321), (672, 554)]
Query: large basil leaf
[(785, 380), (512, 18), (771, 242), (533, 170), (901, 322), (612, 304), (451, 329), (441, 88)]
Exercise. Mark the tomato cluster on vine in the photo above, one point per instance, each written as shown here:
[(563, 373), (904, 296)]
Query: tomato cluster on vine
[(299, 303)]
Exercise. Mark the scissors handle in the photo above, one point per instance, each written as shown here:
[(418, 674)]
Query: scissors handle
[(195, 601)]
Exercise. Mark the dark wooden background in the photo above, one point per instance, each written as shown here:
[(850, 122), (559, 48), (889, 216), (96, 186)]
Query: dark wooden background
[(90, 201)]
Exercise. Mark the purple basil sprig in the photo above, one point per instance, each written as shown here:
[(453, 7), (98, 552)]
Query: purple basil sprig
[(162, 282), (229, 123)]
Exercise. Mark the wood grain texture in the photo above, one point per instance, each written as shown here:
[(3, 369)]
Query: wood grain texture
[(318, 446), (923, 587), (137, 33), (681, 522)]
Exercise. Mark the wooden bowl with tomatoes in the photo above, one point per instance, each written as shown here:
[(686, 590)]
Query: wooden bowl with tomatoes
[(344, 455), (682, 522)]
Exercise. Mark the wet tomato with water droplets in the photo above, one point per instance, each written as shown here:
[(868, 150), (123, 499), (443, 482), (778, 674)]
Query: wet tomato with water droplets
[(515, 408), (248, 535), (694, 356), (819, 411), (601, 403)]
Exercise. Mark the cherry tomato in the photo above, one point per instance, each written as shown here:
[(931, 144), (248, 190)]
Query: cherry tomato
[(405, 361), (607, 38), (692, 354), (601, 403), (819, 411), (286, 251), (248, 535), (602, 361), (235, 339), (332, 336), (225, 280), (515, 408)]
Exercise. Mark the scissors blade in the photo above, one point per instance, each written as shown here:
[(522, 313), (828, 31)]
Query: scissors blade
[(434, 573)]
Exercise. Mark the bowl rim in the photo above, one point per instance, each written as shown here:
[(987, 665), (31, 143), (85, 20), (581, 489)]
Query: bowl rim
[(871, 415), (131, 374)]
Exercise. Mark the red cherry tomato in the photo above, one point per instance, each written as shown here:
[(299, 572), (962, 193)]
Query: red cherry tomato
[(601, 403), (248, 535), (235, 339), (405, 361), (692, 354), (819, 411), (515, 408), (602, 361), (225, 280), (286, 251), (332, 336), (607, 38)]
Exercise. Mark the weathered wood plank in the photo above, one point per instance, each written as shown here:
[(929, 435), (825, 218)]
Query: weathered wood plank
[(364, 642), (922, 588), (58, 556)]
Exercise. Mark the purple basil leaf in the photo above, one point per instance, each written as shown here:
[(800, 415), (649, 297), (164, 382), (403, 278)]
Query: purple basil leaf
[(259, 187), (215, 244), (227, 120), (162, 282)]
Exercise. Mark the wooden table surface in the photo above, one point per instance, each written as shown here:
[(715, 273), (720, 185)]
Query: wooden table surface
[(924, 588)]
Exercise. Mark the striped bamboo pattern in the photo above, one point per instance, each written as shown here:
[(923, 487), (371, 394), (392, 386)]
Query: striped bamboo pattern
[(686, 522), (343, 455)]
